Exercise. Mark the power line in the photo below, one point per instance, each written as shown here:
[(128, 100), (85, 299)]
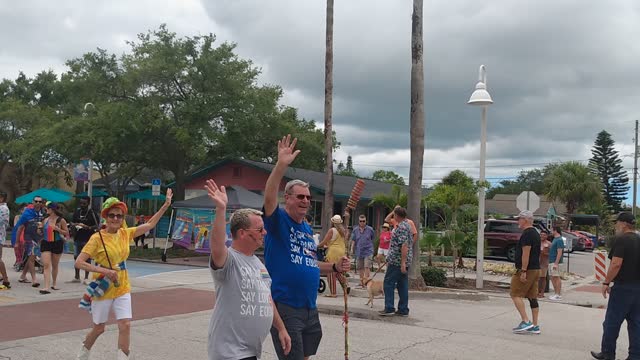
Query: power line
[(459, 167)]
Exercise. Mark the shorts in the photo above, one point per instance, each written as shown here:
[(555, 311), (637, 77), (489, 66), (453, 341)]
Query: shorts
[(54, 247), (121, 308), (527, 289), (77, 248), (364, 262), (31, 248), (303, 326), (556, 272), (384, 252)]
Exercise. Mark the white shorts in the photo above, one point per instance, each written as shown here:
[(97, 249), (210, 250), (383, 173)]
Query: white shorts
[(121, 308), (384, 252)]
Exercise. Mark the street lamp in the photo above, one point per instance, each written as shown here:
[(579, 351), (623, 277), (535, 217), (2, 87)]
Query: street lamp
[(90, 187), (482, 98)]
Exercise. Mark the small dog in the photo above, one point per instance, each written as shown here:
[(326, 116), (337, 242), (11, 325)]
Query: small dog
[(374, 288)]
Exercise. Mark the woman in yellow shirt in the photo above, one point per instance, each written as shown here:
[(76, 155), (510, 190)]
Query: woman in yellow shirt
[(337, 247), (110, 289)]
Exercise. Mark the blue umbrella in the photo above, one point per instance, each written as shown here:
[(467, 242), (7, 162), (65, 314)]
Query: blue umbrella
[(95, 193), (145, 195), (55, 195)]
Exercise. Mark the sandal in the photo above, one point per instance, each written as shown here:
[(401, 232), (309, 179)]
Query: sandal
[(6, 284), (45, 292), (24, 281), (35, 285), (55, 288)]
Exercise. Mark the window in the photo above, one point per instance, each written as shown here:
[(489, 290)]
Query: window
[(502, 227), (316, 213)]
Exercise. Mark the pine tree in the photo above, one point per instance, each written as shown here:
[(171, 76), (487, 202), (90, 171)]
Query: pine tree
[(347, 170), (607, 165)]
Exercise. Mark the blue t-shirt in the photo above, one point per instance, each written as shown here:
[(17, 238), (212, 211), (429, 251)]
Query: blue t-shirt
[(290, 258), (557, 243)]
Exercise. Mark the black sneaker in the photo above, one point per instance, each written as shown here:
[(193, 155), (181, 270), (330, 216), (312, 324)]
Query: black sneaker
[(402, 314), (385, 313)]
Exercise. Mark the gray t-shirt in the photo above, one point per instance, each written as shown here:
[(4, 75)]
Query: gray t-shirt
[(243, 312)]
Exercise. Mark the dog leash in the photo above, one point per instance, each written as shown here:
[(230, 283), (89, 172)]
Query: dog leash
[(375, 273)]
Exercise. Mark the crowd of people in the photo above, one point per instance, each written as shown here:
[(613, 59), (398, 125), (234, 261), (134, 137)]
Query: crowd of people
[(279, 297)]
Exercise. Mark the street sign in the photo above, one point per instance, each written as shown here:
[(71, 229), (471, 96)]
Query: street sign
[(155, 187), (528, 200)]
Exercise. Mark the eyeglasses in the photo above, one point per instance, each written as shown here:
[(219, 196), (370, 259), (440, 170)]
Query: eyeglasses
[(261, 229), (302, 196), (363, 220), (37, 201), (115, 216)]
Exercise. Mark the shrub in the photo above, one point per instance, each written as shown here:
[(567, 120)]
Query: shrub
[(434, 276)]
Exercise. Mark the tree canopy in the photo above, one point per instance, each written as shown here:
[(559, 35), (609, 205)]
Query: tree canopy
[(607, 166)]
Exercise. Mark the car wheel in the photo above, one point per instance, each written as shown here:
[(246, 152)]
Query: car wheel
[(511, 253), (322, 286)]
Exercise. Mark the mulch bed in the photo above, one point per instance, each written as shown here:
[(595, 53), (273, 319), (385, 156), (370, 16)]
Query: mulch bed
[(470, 284)]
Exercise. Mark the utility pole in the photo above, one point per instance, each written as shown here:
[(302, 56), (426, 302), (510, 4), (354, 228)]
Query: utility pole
[(635, 171)]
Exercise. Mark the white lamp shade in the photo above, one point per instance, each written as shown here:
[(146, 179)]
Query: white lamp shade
[(480, 96)]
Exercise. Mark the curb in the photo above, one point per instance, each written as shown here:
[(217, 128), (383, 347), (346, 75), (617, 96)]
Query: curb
[(186, 263), (445, 294)]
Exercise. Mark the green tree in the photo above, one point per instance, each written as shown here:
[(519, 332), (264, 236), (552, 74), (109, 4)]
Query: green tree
[(347, 170), (573, 184), (398, 196), (527, 180), (448, 200), (607, 166), (388, 176)]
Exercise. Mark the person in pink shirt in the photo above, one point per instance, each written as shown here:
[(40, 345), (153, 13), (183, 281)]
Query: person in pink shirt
[(383, 246)]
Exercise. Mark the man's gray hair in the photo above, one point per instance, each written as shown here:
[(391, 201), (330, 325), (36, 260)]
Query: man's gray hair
[(241, 219), (292, 183)]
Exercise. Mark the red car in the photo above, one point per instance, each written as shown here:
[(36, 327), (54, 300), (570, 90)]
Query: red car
[(584, 242)]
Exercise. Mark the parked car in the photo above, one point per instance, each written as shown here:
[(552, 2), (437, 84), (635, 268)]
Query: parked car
[(501, 236), (571, 242), (594, 239), (584, 242)]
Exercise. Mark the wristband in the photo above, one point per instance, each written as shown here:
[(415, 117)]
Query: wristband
[(334, 268)]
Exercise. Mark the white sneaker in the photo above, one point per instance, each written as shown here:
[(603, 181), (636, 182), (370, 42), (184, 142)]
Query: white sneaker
[(555, 297), (86, 282), (83, 354)]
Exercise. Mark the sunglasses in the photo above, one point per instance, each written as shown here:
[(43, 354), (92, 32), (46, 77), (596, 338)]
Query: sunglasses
[(115, 216), (363, 220), (37, 201), (302, 197), (257, 229)]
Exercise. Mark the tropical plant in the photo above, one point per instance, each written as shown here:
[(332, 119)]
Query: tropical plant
[(398, 196), (574, 184)]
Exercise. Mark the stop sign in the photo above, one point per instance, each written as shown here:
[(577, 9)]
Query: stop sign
[(528, 200)]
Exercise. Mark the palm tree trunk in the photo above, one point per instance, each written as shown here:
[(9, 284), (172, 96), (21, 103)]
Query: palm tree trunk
[(327, 209), (416, 137)]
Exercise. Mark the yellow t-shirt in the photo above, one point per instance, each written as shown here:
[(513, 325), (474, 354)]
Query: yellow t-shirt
[(118, 249)]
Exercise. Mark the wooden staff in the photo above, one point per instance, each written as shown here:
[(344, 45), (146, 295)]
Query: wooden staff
[(345, 316)]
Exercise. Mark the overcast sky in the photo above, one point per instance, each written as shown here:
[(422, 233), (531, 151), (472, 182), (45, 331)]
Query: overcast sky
[(558, 71)]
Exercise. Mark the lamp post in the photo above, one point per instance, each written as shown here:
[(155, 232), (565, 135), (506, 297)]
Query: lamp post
[(90, 187), (482, 98)]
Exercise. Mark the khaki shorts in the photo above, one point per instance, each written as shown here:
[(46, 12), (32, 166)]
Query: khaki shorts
[(556, 272), (527, 289), (364, 262)]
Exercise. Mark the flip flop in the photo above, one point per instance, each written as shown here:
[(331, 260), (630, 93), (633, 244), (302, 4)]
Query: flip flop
[(55, 288), (6, 284), (45, 292), (35, 284), (24, 281)]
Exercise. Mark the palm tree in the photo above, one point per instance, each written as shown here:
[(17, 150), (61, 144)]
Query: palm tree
[(573, 184), (397, 197), (416, 136), (327, 209)]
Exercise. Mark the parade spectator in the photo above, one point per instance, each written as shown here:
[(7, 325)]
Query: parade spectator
[(399, 260), (55, 232), (140, 239), (4, 223), (335, 243), (110, 288), (624, 295), (31, 222), (389, 219), (545, 244), (85, 222), (18, 248), (362, 248), (556, 253), (290, 257), (244, 311), (383, 244), (524, 283)]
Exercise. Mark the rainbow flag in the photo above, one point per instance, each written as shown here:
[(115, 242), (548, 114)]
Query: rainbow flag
[(49, 235)]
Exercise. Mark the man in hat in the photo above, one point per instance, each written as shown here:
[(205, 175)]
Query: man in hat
[(524, 283), (624, 296)]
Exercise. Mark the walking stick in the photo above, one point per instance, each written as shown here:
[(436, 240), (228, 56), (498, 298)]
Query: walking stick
[(345, 316)]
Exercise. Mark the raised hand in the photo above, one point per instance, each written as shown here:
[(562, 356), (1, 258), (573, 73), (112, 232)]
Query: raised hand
[(168, 197), (217, 194), (286, 152)]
